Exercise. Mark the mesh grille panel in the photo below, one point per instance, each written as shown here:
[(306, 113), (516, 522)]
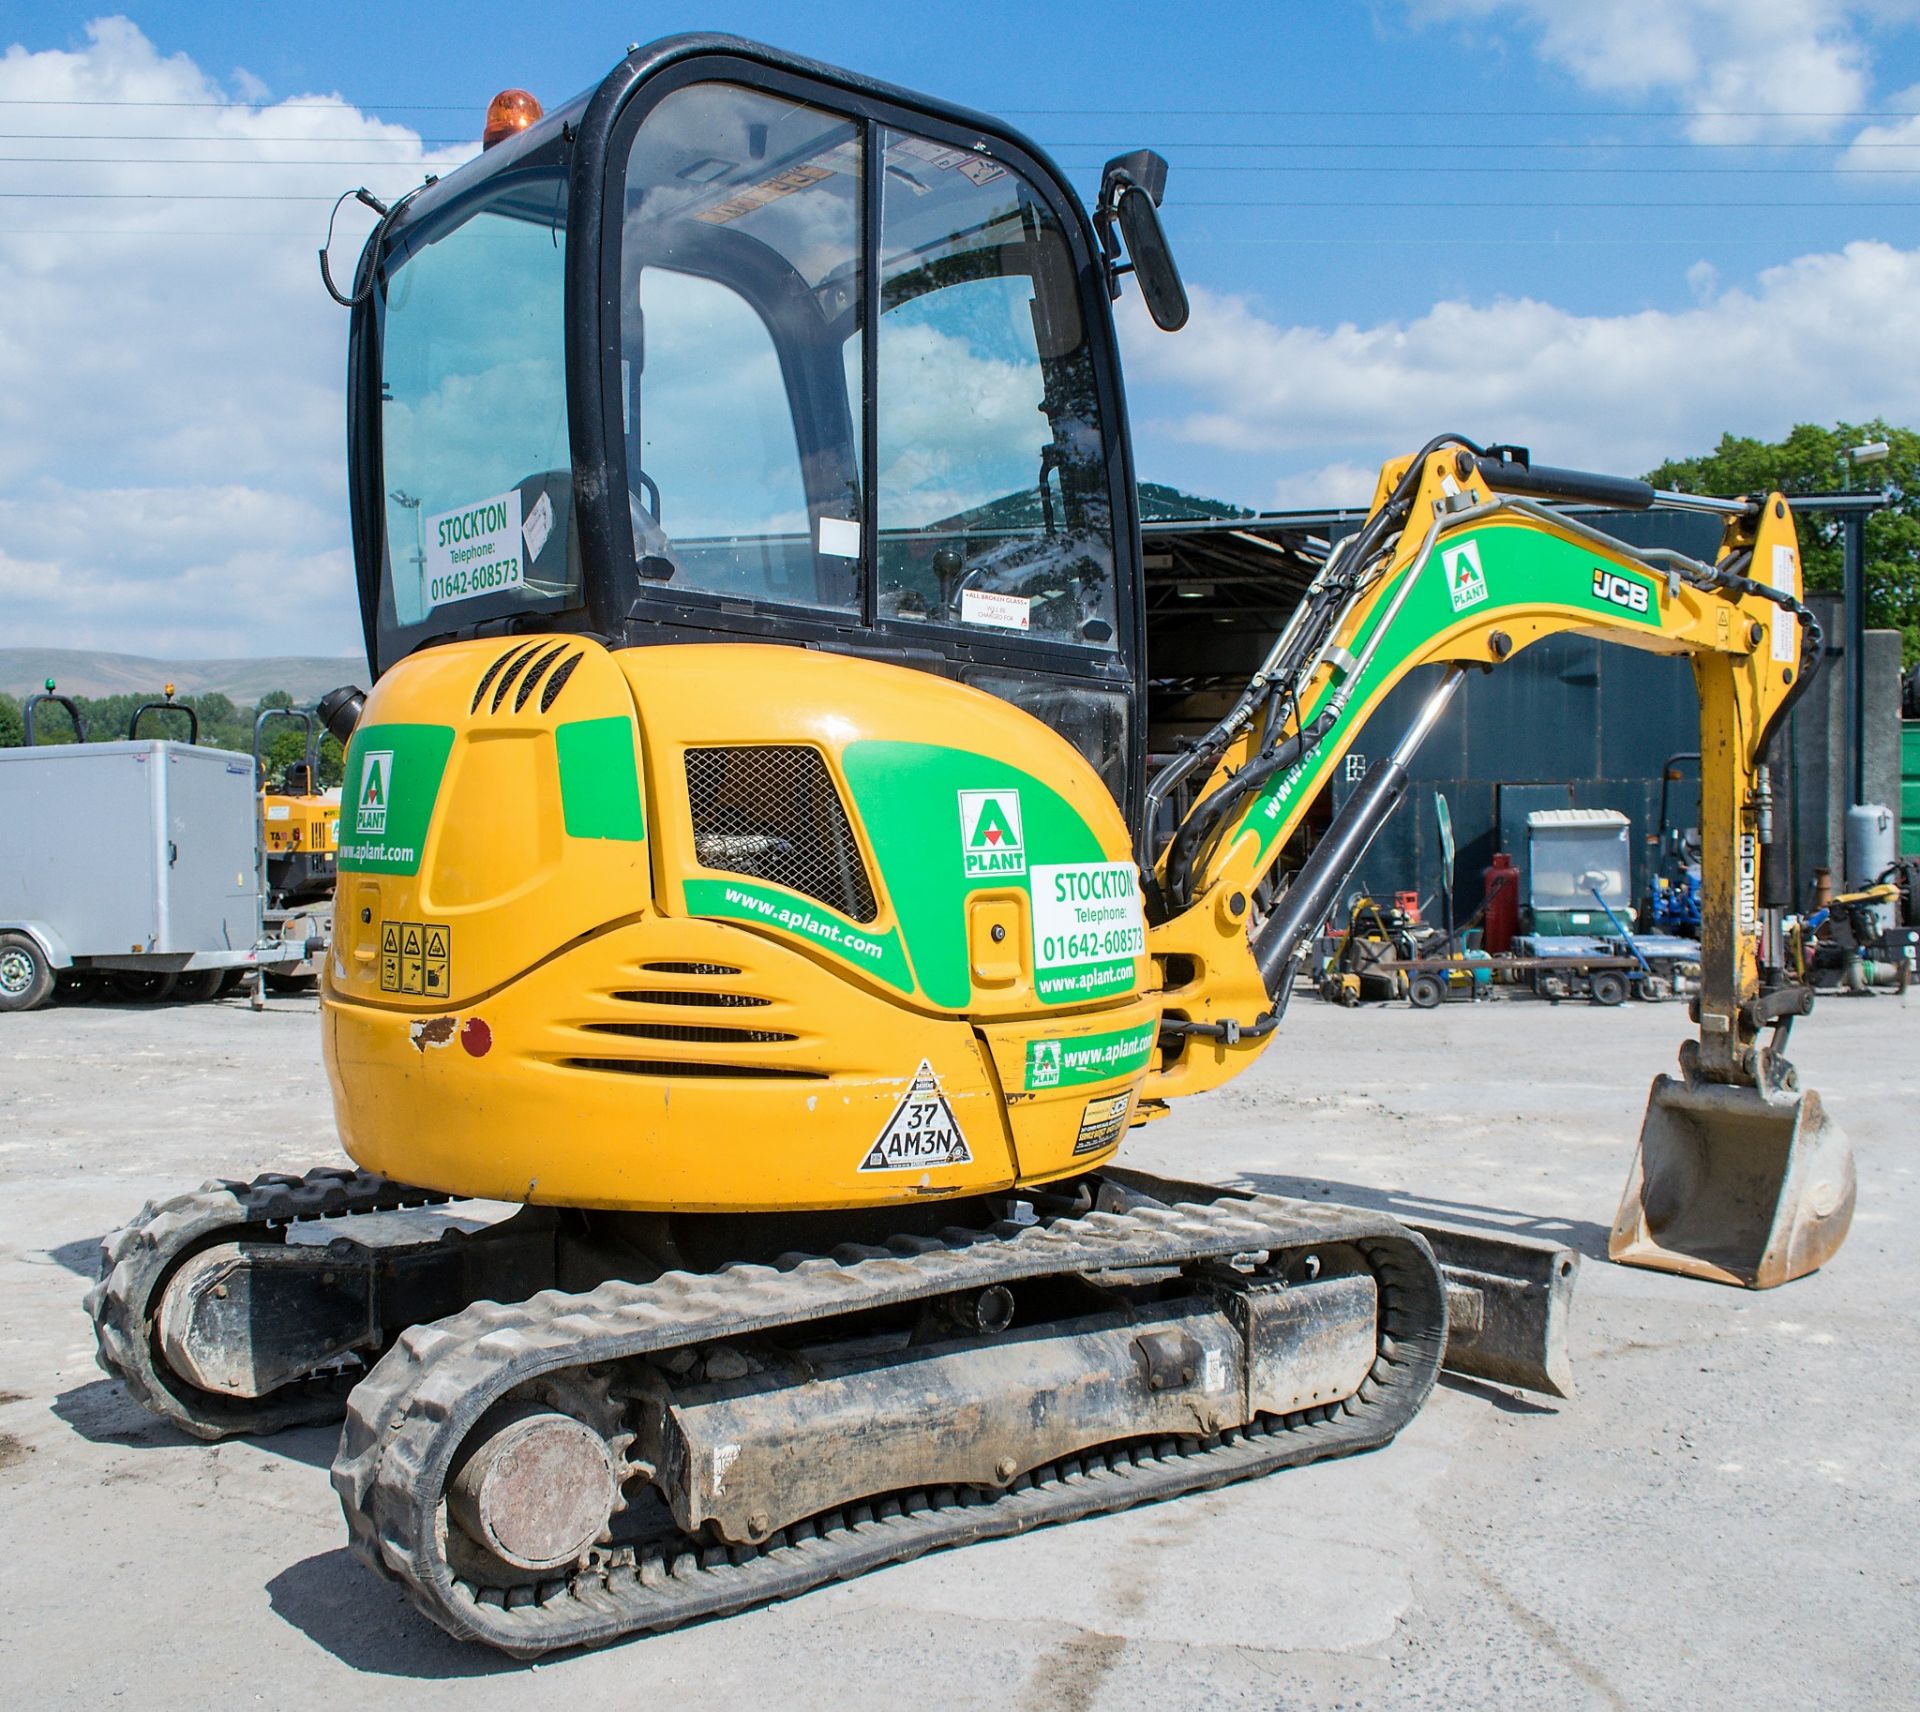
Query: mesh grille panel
[(773, 813)]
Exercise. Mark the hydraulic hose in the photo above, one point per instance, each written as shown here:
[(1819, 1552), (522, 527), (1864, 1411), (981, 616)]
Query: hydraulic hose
[(1211, 814)]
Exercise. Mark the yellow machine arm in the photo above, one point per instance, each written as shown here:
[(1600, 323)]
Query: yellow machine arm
[(1460, 565)]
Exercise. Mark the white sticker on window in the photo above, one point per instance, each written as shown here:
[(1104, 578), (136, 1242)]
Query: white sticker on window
[(538, 526), (472, 551), (934, 154), (840, 537), (1785, 642), (1002, 611)]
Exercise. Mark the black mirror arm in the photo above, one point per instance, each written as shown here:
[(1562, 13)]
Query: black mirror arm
[(1135, 228)]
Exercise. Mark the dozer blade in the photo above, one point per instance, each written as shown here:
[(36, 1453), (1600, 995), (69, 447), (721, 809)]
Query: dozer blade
[(1735, 1185)]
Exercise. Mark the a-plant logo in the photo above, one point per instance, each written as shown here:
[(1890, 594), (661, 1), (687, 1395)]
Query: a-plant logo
[(1466, 581), (376, 787), (1043, 1064), (991, 843)]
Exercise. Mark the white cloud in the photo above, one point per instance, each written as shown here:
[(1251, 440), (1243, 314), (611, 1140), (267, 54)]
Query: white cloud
[(195, 570), (1823, 338), (171, 372), (1342, 483), (1895, 144), (1748, 70)]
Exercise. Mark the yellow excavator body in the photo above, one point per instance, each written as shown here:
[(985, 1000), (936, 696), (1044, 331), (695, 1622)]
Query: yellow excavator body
[(750, 870), (773, 900)]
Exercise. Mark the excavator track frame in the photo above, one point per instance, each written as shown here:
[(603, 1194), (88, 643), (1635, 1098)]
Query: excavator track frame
[(409, 1418), (137, 1262)]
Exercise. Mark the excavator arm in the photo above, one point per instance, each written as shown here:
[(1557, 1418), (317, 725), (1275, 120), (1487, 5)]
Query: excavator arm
[(1463, 562)]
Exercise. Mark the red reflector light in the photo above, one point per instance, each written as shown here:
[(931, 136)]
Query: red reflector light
[(509, 111)]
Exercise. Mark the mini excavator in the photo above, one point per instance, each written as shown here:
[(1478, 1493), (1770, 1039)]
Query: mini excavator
[(750, 874)]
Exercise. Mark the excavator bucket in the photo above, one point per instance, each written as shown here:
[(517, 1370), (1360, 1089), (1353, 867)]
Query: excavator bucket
[(1735, 1185)]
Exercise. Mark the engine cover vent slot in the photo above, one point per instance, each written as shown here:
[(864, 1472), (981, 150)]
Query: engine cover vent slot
[(493, 671), (558, 681), (713, 1034), (772, 812), (517, 666), (683, 1067), (676, 996), (688, 969), (535, 673)]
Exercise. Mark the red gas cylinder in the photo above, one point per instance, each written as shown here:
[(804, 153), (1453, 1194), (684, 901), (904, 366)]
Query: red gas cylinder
[(1502, 920)]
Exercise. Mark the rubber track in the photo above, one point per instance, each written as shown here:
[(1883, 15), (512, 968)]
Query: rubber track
[(408, 1417), (135, 1263)]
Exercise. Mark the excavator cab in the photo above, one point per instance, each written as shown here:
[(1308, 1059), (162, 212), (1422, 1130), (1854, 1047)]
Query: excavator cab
[(737, 347)]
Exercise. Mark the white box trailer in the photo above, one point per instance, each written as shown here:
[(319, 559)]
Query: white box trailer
[(136, 856)]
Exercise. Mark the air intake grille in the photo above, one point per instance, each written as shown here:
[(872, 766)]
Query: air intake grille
[(773, 813)]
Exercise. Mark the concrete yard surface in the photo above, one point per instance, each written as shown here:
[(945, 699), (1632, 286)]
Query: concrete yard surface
[(1724, 1516)]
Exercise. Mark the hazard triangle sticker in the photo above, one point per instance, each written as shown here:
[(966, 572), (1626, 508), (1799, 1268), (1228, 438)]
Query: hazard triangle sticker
[(922, 1133)]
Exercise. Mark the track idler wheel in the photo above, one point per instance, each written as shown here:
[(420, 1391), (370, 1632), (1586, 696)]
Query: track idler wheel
[(536, 1488)]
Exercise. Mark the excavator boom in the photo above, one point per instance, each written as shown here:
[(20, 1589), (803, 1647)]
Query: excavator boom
[(1462, 563)]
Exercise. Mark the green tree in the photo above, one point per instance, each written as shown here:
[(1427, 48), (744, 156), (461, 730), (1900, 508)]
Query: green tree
[(287, 743), (1811, 459), (12, 728)]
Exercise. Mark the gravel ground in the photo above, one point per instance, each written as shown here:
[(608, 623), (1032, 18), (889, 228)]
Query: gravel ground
[(1723, 1516)]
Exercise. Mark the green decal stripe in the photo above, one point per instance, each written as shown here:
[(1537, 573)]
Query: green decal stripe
[(1078, 982), (908, 799), (599, 779), (1523, 568), (391, 783), (1089, 1057), (879, 954)]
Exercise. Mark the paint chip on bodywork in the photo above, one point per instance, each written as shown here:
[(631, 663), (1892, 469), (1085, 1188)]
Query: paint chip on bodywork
[(433, 1031)]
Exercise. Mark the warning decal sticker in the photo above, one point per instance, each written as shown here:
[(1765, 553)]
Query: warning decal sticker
[(922, 1133), (416, 958)]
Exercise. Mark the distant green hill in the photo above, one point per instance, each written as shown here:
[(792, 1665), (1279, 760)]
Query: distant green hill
[(1162, 504), (1158, 504), (88, 672)]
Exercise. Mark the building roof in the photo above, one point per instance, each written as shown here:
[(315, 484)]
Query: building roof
[(1577, 817)]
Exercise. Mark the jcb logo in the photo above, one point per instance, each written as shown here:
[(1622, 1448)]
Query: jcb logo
[(1620, 591)]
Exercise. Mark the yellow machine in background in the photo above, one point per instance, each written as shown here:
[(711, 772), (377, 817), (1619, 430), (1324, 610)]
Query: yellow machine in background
[(299, 820), (748, 868)]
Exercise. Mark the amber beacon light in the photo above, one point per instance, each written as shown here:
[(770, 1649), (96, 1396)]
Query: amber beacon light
[(510, 111)]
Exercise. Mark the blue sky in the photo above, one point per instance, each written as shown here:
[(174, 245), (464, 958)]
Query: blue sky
[(1612, 229)]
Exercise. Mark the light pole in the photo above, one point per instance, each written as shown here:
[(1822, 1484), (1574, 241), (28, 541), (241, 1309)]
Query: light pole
[(1853, 585)]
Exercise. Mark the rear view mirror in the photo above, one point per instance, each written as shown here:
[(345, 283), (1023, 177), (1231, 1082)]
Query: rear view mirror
[(1130, 192), (1153, 265)]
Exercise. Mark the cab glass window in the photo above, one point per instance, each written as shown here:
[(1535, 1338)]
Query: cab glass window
[(993, 502), (740, 253), (476, 470)]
